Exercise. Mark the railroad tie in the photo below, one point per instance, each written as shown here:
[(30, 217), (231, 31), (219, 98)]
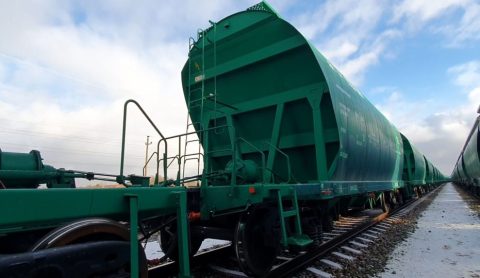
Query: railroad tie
[(319, 273), (371, 231), (384, 225), (373, 236), (343, 256), (392, 219), (364, 239), (350, 222), (379, 229), (331, 264), (346, 224), (358, 244), (351, 250)]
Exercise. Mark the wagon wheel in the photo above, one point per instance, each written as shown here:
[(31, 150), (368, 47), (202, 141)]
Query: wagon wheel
[(257, 240), (169, 241), (93, 230)]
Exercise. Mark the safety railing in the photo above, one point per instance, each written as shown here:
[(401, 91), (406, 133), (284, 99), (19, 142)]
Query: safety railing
[(124, 130), (180, 157), (287, 159)]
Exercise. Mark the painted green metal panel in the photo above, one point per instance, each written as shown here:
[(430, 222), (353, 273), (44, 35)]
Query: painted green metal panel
[(414, 164), (362, 127), (36, 208), (461, 170), (245, 66), (467, 168), (419, 176), (429, 171), (471, 157)]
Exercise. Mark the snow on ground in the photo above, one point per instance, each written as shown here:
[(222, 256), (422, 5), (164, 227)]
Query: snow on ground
[(153, 250), (446, 242)]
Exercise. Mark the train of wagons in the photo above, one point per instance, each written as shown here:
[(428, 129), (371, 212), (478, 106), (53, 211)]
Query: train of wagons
[(287, 146), (467, 168)]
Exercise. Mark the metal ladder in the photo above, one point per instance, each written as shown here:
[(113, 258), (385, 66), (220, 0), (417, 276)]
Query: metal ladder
[(297, 238), (198, 102)]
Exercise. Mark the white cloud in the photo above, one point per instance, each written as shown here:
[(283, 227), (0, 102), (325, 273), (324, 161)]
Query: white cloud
[(416, 14), (469, 27), (439, 136), (341, 52), (466, 75), (74, 64), (421, 11), (354, 67), (439, 131), (345, 32)]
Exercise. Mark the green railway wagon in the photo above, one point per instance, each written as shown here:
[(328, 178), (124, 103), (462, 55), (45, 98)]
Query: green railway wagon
[(461, 169), (270, 111), (467, 168), (471, 155), (414, 167), (428, 171), (263, 97)]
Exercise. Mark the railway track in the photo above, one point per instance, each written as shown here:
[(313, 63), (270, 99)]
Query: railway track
[(344, 249), (348, 240)]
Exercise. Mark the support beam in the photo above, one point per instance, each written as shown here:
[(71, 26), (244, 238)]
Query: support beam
[(274, 141), (322, 171), (182, 233), (133, 203)]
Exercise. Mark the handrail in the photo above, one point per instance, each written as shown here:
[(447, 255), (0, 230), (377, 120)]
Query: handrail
[(184, 156), (289, 169), (124, 130), (164, 139), (172, 159), (146, 163)]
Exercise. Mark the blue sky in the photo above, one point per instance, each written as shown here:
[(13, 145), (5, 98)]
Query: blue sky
[(66, 67)]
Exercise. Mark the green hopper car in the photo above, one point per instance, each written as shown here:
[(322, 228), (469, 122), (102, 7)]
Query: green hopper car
[(467, 168)]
